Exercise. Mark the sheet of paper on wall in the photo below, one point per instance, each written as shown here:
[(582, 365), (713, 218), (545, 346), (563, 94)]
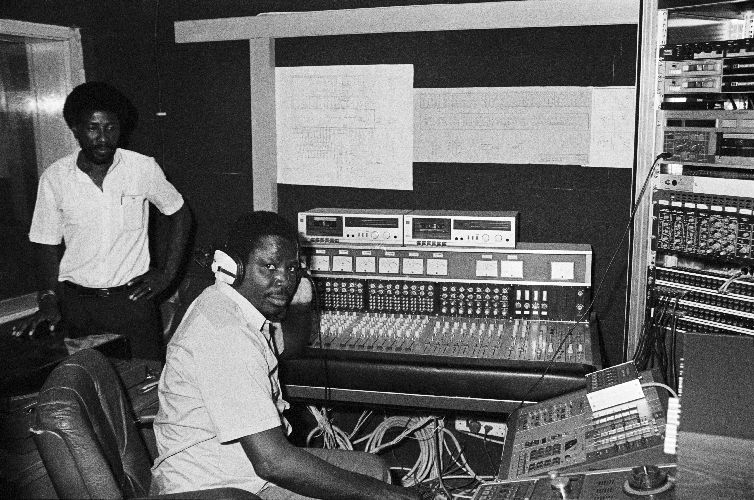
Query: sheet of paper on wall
[(515, 125), (348, 126), (613, 124)]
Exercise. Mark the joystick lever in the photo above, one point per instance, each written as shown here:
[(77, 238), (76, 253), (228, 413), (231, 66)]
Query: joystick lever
[(561, 484)]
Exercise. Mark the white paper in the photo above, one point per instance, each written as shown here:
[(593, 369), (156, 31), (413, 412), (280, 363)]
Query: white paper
[(612, 141), (589, 126), (349, 126), (517, 125)]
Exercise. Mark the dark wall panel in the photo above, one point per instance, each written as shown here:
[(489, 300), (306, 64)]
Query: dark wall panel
[(204, 141), (576, 56)]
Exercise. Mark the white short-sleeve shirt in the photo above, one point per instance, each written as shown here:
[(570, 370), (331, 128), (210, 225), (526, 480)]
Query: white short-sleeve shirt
[(220, 383), (105, 231)]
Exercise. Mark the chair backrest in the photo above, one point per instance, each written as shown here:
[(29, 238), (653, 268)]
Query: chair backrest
[(85, 431)]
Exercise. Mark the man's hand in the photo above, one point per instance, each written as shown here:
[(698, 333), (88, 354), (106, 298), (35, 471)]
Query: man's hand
[(149, 285), (276, 460), (49, 311)]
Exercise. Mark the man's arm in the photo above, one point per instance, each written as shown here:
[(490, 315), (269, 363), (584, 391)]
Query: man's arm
[(155, 281), (48, 260), (276, 460)]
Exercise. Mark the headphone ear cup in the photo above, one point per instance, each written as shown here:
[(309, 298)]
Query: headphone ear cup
[(240, 268), (227, 267)]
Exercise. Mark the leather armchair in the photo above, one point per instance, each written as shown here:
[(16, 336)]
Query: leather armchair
[(87, 438)]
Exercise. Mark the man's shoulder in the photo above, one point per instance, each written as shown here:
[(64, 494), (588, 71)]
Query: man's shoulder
[(209, 323), (216, 308), (59, 167)]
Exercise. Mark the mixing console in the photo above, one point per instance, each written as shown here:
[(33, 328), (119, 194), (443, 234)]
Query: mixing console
[(564, 433), (452, 337), (455, 305)]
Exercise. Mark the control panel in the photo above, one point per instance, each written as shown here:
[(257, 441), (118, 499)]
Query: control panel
[(703, 256), (699, 260), (462, 303), (566, 433), (533, 281), (655, 482)]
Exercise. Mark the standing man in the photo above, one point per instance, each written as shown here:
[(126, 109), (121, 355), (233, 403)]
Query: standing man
[(221, 422), (94, 201)]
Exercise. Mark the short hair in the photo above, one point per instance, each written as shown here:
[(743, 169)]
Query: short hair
[(99, 96), (250, 228)]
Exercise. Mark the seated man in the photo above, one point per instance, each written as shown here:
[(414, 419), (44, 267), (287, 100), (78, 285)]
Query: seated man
[(221, 420)]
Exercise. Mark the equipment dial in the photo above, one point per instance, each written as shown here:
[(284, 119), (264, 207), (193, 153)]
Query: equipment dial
[(646, 481)]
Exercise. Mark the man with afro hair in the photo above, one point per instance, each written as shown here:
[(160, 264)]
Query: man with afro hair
[(90, 228)]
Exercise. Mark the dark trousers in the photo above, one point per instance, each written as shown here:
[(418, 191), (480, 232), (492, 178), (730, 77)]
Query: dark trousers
[(139, 321)]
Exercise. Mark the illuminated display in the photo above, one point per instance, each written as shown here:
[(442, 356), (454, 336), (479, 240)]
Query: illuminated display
[(431, 228), (320, 225)]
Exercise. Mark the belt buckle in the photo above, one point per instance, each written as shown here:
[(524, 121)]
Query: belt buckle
[(104, 292)]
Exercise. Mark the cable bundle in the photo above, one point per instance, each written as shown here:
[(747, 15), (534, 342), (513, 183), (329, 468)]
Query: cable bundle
[(433, 440), (332, 436), (652, 348)]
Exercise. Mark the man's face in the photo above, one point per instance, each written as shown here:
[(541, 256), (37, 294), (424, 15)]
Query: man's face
[(98, 134), (272, 276)]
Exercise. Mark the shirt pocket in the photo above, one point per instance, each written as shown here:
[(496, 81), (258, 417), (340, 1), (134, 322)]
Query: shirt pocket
[(132, 207)]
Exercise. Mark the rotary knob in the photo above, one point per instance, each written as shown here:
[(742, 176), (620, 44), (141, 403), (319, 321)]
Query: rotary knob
[(647, 480)]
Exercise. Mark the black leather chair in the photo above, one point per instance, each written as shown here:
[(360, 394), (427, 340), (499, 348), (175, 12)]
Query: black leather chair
[(87, 437)]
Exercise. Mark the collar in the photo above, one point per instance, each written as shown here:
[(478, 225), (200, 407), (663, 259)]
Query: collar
[(253, 317), (81, 175)]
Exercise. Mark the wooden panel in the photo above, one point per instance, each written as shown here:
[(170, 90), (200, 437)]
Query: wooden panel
[(488, 15), (263, 147)]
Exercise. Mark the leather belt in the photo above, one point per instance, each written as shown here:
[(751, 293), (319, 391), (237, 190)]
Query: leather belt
[(98, 292)]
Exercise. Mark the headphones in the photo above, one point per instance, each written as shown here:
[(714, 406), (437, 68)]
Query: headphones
[(228, 268)]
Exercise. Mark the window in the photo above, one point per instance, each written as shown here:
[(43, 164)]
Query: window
[(39, 65)]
